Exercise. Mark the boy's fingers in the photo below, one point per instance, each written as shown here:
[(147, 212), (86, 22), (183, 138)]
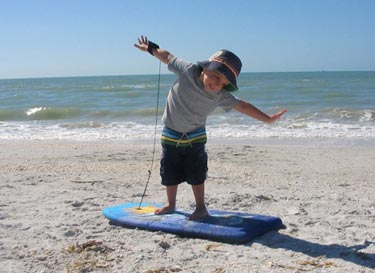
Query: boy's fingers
[(139, 47), (282, 112), (143, 40)]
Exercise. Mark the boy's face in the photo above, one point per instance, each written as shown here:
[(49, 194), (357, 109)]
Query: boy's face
[(213, 81)]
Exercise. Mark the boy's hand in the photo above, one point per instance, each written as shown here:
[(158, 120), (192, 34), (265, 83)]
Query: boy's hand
[(146, 45), (142, 43), (277, 115)]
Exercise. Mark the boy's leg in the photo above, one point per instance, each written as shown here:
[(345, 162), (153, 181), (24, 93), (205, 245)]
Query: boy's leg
[(196, 170), (171, 173), (171, 206), (200, 210)]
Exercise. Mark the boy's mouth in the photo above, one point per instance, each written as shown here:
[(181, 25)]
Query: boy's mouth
[(209, 88)]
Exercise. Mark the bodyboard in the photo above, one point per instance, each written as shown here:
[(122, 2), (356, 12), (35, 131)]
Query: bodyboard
[(220, 225)]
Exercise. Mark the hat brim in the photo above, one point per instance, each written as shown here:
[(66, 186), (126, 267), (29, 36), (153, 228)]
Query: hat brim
[(212, 65)]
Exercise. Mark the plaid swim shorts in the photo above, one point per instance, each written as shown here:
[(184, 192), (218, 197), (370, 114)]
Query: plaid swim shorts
[(180, 164)]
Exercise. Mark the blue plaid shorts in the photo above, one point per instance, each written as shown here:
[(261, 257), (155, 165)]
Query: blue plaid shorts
[(183, 164)]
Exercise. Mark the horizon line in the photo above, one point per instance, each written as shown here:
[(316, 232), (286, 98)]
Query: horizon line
[(153, 74)]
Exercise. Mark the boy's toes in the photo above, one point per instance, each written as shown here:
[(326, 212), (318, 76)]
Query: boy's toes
[(164, 210), (198, 215)]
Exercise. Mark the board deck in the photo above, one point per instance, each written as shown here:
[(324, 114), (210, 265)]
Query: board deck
[(222, 226)]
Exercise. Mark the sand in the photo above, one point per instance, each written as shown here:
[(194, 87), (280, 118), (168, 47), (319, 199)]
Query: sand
[(52, 194)]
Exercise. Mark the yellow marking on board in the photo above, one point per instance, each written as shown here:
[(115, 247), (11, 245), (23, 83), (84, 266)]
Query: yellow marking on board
[(143, 210)]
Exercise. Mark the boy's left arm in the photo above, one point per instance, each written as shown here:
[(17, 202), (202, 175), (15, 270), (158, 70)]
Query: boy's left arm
[(250, 110)]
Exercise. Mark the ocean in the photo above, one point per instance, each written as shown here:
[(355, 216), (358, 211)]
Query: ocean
[(336, 107)]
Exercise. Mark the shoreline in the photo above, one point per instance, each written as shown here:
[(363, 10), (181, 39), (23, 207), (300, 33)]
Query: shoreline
[(303, 142), (52, 194)]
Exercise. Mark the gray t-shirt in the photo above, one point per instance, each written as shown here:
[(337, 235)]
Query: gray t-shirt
[(188, 104)]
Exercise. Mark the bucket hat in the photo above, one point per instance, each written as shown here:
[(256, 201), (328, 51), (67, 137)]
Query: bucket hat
[(227, 63)]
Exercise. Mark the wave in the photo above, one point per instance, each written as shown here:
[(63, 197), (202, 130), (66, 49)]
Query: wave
[(124, 90), (84, 130), (8, 115), (295, 118), (48, 113), (347, 115), (73, 114), (39, 114), (133, 114)]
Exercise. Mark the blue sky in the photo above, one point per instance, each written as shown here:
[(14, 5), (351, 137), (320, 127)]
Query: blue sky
[(84, 37)]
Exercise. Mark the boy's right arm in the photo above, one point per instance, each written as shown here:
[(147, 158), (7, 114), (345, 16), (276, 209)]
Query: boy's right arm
[(250, 110), (163, 55)]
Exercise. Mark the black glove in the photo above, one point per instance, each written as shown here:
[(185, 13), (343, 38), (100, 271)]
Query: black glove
[(151, 47)]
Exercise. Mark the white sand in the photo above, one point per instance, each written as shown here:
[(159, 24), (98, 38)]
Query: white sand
[(52, 194)]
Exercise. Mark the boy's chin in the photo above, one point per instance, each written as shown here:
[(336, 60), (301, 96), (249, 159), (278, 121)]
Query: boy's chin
[(211, 90)]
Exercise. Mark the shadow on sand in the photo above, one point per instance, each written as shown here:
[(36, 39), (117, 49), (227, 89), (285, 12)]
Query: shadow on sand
[(351, 254)]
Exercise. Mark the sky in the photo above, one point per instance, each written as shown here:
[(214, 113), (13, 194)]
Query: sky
[(44, 38)]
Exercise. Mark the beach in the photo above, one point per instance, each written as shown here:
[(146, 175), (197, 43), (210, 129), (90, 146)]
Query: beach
[(52, 193)]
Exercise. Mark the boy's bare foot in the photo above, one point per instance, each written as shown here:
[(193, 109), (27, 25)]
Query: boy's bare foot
[(198, 214), (164, 210)]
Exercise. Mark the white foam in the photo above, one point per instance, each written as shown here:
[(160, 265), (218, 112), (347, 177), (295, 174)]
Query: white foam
[(35, 110), (367, 116), (136, 131)]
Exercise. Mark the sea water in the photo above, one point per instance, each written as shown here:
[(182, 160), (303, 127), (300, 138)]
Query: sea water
[(336, 106)]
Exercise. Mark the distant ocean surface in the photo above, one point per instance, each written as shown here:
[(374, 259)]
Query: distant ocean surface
[(337, 106)]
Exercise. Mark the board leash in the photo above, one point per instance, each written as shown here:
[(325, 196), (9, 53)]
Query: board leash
[(154, 145)]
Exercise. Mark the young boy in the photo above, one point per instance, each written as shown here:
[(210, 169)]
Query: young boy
[(198, 90)]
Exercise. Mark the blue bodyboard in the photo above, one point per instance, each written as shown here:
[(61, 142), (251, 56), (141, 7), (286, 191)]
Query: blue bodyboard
[(222, 226)]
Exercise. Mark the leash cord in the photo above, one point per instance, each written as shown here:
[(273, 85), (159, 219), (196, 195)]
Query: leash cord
[(153, 149)]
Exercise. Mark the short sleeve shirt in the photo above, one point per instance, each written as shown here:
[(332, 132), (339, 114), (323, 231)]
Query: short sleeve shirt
[(188, 104)]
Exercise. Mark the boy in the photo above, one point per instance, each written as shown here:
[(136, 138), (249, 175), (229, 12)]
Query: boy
[(198, 90)]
